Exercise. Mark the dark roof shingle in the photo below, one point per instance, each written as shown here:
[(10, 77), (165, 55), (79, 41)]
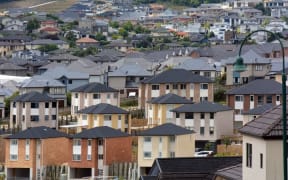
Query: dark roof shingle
[(33, 97), (167, 129), (170, 99), (100, 132), (94, 87), (203, 106), (103, 108)]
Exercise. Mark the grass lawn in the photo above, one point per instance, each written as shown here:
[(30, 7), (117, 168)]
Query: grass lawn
[(56, 7)]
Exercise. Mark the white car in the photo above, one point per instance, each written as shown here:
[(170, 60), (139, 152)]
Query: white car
[(203, 153)]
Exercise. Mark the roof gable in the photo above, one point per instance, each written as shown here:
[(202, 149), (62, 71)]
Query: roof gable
[(204, 106), (94, 87), (170, 98), (100, 132), (167, 129), (103, 108)]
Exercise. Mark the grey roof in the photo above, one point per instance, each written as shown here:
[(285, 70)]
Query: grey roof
[(133, 60), (59, 72), (86, 66), (46, 41), (267, 126), (203, 106), (250, 57), (177, 76), (63, 57), (37, 81), (33, 97), (130, 70), (110, 55), (259, 86), (10, 66), (260, 109), (200, 64), (94, 87), (41, 132), (231, 173), (167, 129), (100, 132), (170, 98), (102, 108)]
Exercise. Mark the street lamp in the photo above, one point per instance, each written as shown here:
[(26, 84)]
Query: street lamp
[(239, 67)]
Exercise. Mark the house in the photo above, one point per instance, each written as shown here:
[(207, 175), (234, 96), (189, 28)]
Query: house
[(48, 23), (120, 46), (53, 88), (208, 168), (177, 81), (251, 95), (94, 151), (164, 141), (64, 58), (29, 153), (104, 114), (13, 24), (93, 94), (33, 109), (127, 78), (263, 146), (256, 67), (87, 42), (107, 56), (37, 43), (3, 94), (211, 121), (256, 112), (159, 111), (8, 68)]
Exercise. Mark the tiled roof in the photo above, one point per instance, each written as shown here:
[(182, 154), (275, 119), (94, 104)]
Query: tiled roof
[(177, 76), (94, 87), (41, 132), (40, 82), (10, 66), (33, 97), (167, 129), (268, 125), (231, 173), (130, 70), (100, 132), (102, 108), (259, 86), (170, 99), (203, 106), (260, 109), (86, 40)]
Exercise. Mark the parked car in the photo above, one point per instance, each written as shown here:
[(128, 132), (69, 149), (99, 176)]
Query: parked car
[(203, 154)]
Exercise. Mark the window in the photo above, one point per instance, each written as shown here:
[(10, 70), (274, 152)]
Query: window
[(259, 68), (175, 86), (251, 98), (277, 98), (85, 96), (119, 117), (76, 157), (100, 142), (167, 86), (14, 119), (202, 130), (34, 118), (172, 138), (211, 115), (147, 155), (261, 160), (204, 86), (23, 118), (54, 117), (203, 99), (211, 130), (76, 150), (269, 99), (47, 105), (13, 149), (96, 96), (182, 86), (202, 115), (76, 95), (147, 139), (70, 81), (189, 115), (89, 143), (54, 104), (115, 95), (172, 154), (46, 117), (14, 104), (191, 86), (248, 155), (239, 98), (207, 74), (107, 117), (100, 156), (27, 149), (260, 100), (177, 115), (34, 105), (155, 87), (76, 142), (23, 105), (108, 96)]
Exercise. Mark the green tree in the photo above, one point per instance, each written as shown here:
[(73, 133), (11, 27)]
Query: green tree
[(114, 24), (123, 32), (32, 25), (128, 26), (8, 101), (100, 37), (265, 10), (48, 47)]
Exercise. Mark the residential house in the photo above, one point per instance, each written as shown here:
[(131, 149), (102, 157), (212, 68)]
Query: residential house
[(263, 146), (94, 151), (48, 23), (195, 168), (256, 67), (107, 56), (8, 68), (104, 114), (93, 94), (33, 109), (37, 43), (211, 121), (12, 24), (87, 42), (64, 58), (159, 111), (120, 46), (127, 78), (3, 94), (178, 81), (29, 153), (53, 88), (164, 141), (94, 26), (256, 112), (251, 95)]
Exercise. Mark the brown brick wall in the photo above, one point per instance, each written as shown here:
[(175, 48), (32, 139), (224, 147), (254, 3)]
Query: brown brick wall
[(231, 101), (246, 103), (210, 92)]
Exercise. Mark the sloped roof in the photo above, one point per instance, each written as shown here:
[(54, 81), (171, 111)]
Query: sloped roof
[(267, 126), (10, 66), (203, 106), (177, 76), (100, 132), (102, 108), (41, 132), (231, 173), (260, 109), (259, 86), (167, 129), (130, 70), (59, 72), (86, 40), (170, 98), (33, 97), (250, 57), (94, 87), (201, 64), (37, 81)]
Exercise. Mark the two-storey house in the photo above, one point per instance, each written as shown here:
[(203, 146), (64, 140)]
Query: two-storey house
[(33, 109), (256, 112), (93, 94), (29, 152), (94, 150), (159, 108), (104, 115), (209, 120), (163, 141), (251, 95), (177, 81)]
